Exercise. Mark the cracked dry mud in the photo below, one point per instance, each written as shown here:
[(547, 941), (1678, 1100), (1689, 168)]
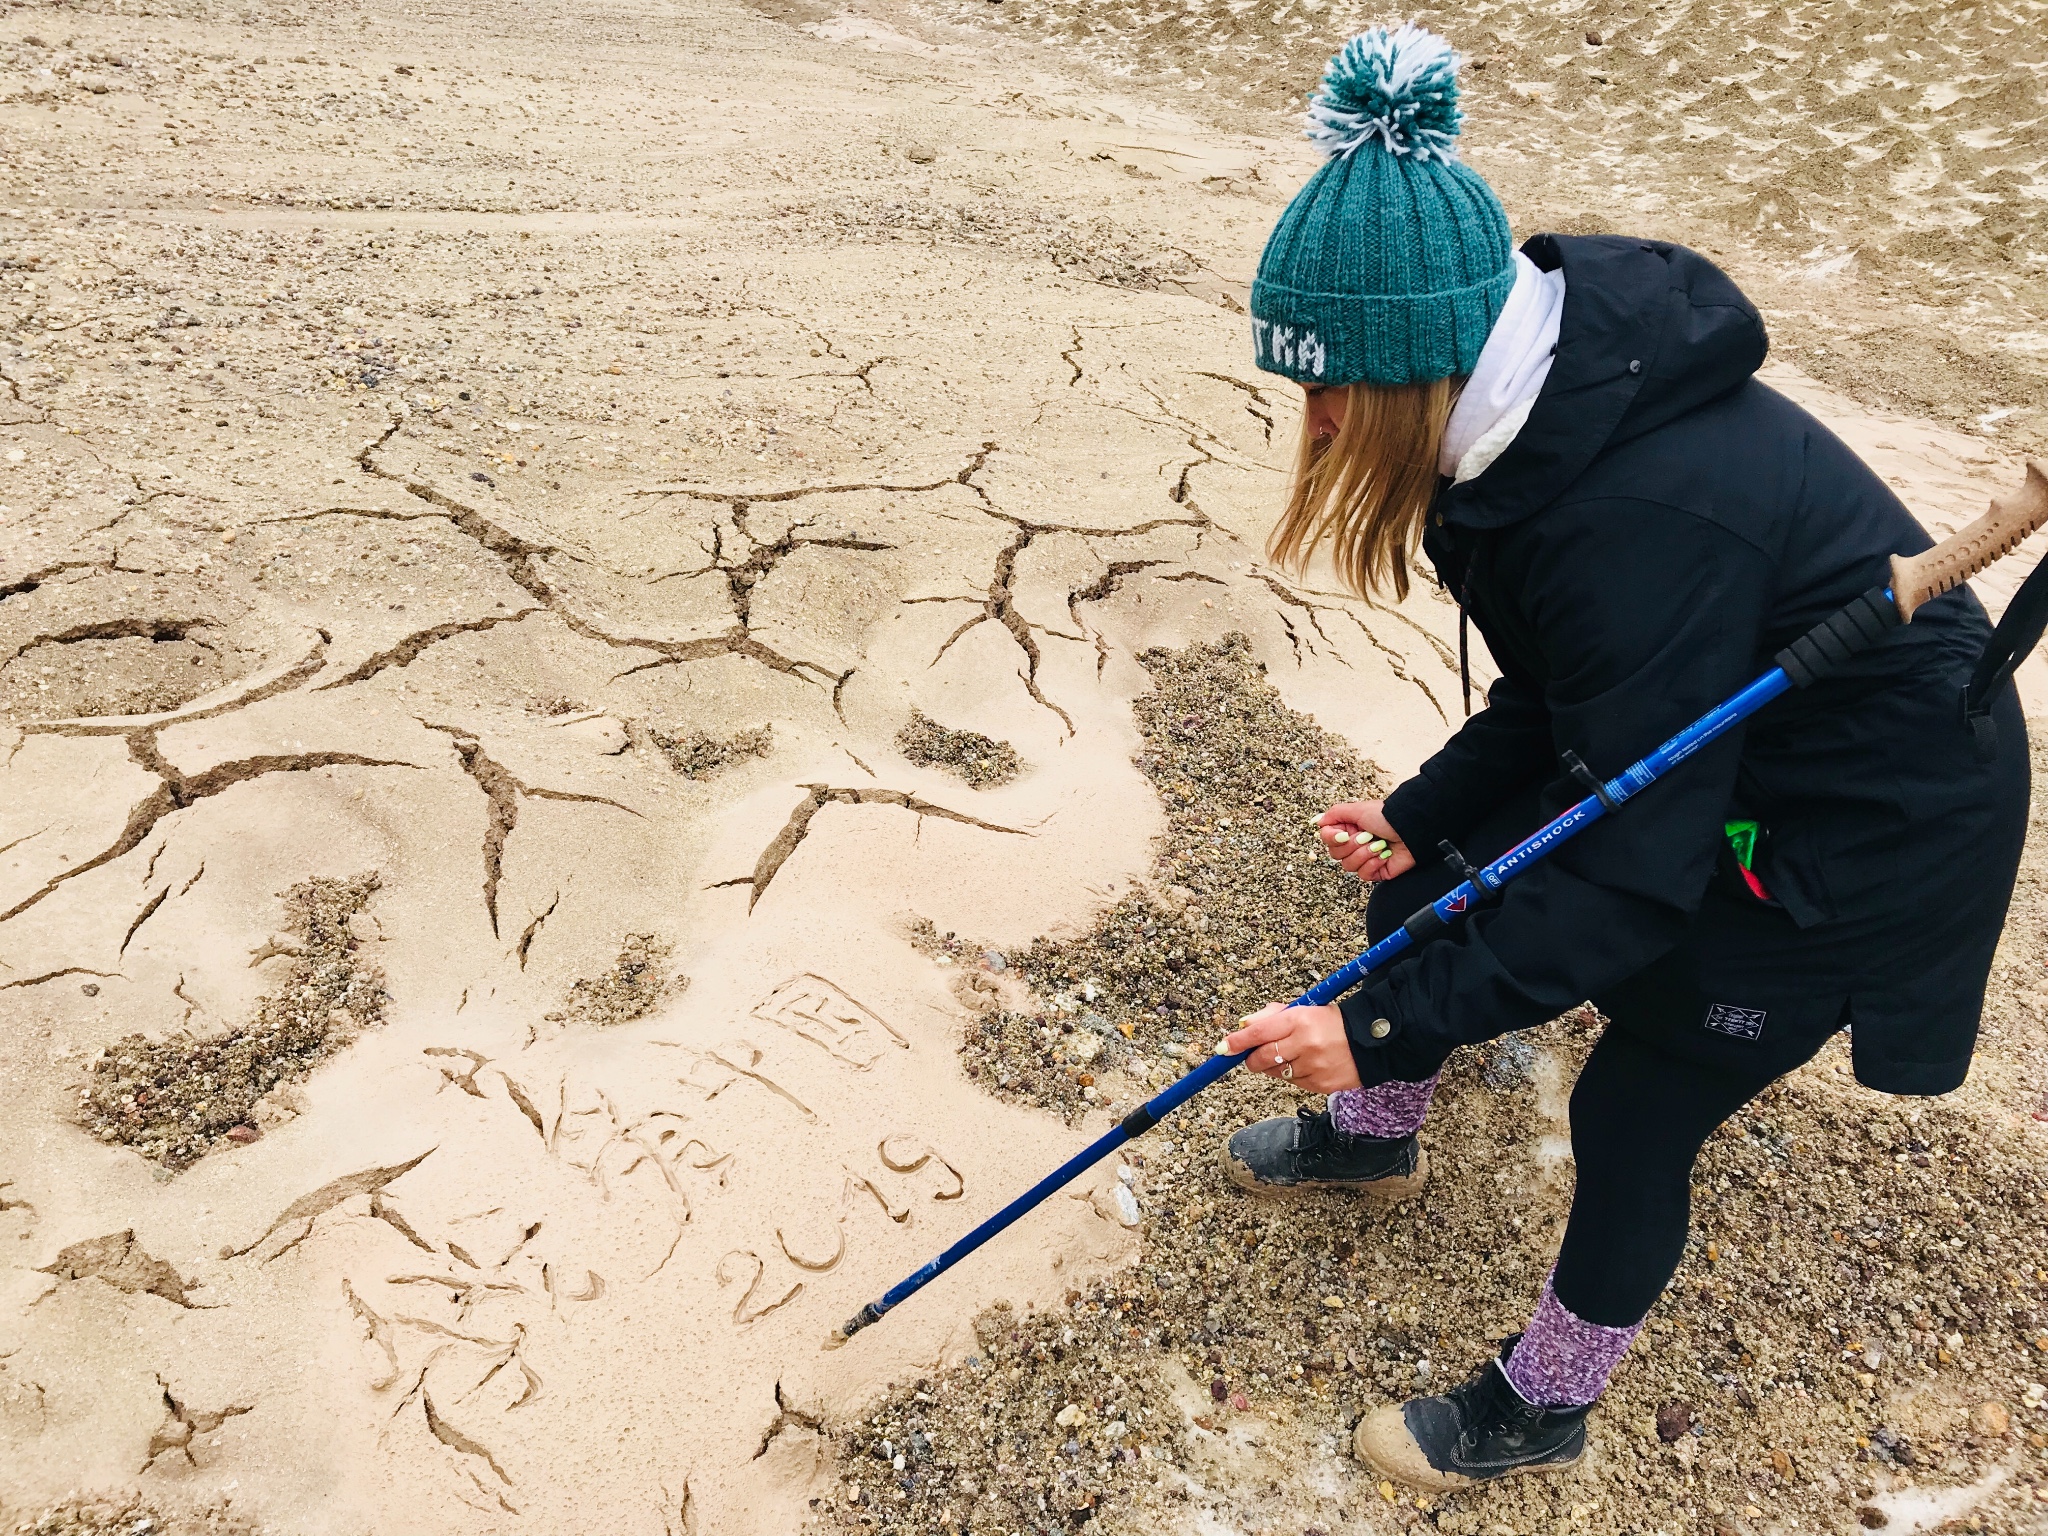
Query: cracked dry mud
[(509, 455)]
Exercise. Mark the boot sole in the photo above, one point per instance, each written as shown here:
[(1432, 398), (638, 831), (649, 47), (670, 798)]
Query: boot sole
[(1383, 1443), (1388, 1191)]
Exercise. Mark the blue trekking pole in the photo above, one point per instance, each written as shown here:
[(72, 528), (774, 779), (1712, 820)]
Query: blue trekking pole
[(1817, 654)]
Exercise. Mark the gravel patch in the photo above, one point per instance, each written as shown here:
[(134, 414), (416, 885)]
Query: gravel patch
[(1242, 907), (126, 1516), (981, 760), (700, 754), (176, 1100), (629, 990)]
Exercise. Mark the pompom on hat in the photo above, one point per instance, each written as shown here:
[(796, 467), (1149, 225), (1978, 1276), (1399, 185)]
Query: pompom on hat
[(1391, 265)]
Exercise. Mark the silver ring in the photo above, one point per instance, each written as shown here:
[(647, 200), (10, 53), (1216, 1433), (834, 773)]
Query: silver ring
[(1289, 1073)]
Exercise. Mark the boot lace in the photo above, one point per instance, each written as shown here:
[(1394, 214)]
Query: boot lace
[(1487, 1405), (1315, 1130)]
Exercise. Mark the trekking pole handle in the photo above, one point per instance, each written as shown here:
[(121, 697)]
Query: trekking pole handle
[(1917, 579)]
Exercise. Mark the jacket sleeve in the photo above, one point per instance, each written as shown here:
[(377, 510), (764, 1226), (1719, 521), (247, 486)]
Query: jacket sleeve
[(1647, 617), (1496, 752)]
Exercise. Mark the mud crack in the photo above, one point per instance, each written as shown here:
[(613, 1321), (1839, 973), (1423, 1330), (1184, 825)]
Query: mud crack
[(532, 929), (1000, 606), (253, 689), (818, 796), (1260, 406), (410, 648), (157, 631), (23, 585), (503, 792), (743, 576), (311, 1207), (1396, 662), (177, 791), (523, 561), (69, 970), (457, 1441), (785, 1417), (963, 476), (182, 1425), (119, 1261)]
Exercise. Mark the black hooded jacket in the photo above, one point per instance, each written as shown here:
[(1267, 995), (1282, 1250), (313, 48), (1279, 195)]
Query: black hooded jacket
[(1658, 529)]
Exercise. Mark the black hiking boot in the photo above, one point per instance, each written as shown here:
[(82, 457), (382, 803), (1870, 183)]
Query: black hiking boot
[(1472, 1434), (1284, 1156)]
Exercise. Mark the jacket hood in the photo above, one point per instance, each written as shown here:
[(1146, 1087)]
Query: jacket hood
[(1650, 331)]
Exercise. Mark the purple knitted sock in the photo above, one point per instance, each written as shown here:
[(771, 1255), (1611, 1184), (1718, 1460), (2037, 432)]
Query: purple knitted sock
[(1385, 1111), (1563, 1361)]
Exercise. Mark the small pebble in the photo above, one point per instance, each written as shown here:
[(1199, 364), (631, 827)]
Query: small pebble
[(1991, 1420), (1126, 1206)]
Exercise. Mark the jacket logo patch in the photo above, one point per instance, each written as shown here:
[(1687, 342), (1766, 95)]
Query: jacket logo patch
[(1742, 1023)]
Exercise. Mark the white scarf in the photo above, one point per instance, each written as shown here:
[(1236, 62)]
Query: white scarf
[(1508, 376)]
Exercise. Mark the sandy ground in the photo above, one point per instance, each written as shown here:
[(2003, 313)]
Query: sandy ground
[(435, 445)]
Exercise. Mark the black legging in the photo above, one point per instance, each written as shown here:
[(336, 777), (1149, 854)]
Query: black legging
[(1640, 1112)]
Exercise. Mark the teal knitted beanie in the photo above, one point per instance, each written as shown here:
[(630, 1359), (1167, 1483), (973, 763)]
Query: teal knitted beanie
[(1392, 264)]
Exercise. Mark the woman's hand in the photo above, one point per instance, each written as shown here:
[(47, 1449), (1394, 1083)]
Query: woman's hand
[(1304, 1046), (1350, 832)]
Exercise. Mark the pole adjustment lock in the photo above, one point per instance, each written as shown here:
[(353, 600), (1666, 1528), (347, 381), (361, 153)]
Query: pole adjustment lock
[(1465, 870), (1588, 780)]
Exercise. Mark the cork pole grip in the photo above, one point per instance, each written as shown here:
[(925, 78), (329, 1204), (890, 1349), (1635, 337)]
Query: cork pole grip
[(1917, 578)]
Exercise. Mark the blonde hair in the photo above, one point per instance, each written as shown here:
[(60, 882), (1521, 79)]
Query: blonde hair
[(1365, 491)]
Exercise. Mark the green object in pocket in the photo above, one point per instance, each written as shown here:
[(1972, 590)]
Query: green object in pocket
[(1742, 837)]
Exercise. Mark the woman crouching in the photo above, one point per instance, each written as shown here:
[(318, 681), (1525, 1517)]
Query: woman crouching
[(1574, 435)]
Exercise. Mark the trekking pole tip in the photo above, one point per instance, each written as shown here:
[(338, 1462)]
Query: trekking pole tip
[(846, 1330)]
